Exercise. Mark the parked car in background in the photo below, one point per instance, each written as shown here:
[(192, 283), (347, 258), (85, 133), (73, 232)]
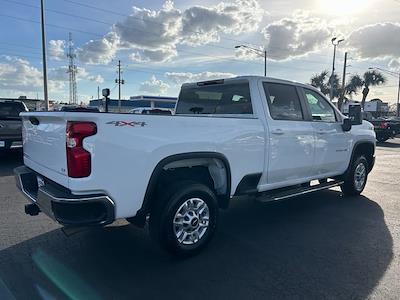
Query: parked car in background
[(10, 123), (151, 111), (382, 129), (267, 138)]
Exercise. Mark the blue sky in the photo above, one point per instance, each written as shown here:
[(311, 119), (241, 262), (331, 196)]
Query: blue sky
[(163, 44)]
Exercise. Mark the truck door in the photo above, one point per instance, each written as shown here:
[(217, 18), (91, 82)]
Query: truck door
[(332, 144), (290, 146)]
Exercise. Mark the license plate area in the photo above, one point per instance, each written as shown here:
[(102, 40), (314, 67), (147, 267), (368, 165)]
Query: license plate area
[(2, 144)]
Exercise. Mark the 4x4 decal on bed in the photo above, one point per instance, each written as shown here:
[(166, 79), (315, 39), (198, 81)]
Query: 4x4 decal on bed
[(127, 123)]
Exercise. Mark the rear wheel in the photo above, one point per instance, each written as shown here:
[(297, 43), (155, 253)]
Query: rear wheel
[(356, 180), (185, 218)]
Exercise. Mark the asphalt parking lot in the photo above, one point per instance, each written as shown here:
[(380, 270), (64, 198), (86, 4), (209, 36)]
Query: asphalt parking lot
[(316, 246)]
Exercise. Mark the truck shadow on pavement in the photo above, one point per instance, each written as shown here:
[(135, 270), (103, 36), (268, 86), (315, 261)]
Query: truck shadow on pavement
[(319, 246), (388, 144), (10, 159)]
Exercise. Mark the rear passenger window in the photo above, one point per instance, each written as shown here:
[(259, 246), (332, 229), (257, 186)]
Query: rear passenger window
[(219, 99), (319, 106), (283, 101)]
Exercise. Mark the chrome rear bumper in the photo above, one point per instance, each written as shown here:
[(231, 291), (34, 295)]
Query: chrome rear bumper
[(60, 204)]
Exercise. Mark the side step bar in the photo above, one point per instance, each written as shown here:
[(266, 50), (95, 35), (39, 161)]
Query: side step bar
[(285, 194)]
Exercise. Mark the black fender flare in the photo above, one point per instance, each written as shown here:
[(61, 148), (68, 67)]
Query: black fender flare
[(353, 152), (140, 217)]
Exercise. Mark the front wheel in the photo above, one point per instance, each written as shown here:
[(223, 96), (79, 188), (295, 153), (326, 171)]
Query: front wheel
[(356, 180), (185, 218)]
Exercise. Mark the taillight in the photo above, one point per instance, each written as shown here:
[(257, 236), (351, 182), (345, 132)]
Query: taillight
[(384, 125), (78, 159)]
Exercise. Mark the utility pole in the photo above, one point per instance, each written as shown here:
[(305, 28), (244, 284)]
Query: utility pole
[(119, 81), (265, 63), (44, 62), (398, 98), (341, 98), (98, 92), (333, 64), (72, 70)]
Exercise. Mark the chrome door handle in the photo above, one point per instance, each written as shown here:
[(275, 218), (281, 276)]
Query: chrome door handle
[(277, 131), (322, 131)]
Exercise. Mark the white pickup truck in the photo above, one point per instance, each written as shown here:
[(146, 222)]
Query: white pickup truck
[(267, 138)]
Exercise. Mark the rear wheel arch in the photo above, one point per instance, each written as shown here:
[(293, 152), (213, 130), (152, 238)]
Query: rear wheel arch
[(218, 168)]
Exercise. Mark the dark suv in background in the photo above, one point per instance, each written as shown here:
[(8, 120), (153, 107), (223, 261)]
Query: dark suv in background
[(10, 124)]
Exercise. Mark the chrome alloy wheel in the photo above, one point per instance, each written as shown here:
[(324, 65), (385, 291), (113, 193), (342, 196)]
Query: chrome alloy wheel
[(191, 221), (360, 175)]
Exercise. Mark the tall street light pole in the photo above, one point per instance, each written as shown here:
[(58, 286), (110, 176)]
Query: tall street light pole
[(335, 43), (261, 53), (44, 62), (394, 74)]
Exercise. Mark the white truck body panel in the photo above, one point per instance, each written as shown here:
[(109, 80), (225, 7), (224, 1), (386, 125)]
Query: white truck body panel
[(124, 157)]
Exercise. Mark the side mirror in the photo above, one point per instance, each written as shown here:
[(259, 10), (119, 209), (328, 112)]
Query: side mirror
[(346, 125), (355, 114)]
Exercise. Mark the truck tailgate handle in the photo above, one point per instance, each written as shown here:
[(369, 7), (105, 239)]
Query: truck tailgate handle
[(34, 121), (277, 131)]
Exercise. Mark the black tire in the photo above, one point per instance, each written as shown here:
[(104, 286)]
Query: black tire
[(352, 185), (161, 224)]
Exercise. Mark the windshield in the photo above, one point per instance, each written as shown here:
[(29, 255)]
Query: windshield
[(231, 98), (11, 110)]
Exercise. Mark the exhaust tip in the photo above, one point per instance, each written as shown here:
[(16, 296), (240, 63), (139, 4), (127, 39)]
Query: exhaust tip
[(32, 209)]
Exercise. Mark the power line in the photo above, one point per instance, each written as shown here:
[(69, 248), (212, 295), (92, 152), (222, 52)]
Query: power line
[(18, 50), (140, 19), (99, 35), (19, 55), (131, 28), (19, 45)]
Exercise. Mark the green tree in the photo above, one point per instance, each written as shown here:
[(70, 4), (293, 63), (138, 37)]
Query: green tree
[(323, 83), (352, 87), (369, 79)]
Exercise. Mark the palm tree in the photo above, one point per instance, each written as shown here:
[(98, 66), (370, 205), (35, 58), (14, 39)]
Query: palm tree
[(323, 83), (352, 87), (371, 78), (355, 83)]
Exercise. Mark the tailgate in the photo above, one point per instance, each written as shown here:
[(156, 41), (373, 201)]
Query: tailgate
[(44, 137)]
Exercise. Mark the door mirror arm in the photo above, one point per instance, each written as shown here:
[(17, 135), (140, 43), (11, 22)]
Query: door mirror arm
[(346, 125)]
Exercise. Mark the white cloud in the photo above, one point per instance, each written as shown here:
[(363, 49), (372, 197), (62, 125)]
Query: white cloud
[(100, 51), (160, 55), (96, 78), (376, 41), (61, 74), (297, 35), (394, 64), (154, 86), (201, 25), (57, 49), (182, 77), (155, 34), (19, 75)]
